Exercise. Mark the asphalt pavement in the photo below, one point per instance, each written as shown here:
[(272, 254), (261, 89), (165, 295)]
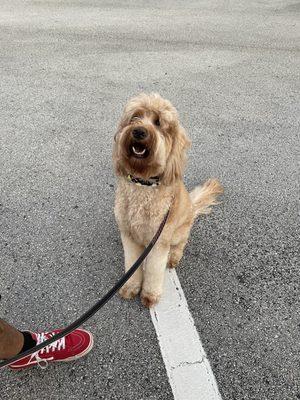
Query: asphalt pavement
[(232, 70)]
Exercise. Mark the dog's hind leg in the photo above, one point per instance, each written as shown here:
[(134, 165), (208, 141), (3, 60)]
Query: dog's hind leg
[(132, 251), (175, 255), (179, 240)]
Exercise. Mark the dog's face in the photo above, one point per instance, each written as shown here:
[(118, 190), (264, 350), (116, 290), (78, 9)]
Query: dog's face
[(150, 141)]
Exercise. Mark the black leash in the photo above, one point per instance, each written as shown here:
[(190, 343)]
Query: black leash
[(96, 307)]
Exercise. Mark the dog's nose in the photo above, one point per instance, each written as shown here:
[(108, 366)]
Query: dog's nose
[(139, 133)]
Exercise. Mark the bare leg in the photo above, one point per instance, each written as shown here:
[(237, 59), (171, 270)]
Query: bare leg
[(132, 251), (11, 340), (154, 272)]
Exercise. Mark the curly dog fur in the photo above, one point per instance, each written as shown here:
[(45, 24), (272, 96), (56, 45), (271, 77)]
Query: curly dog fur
[(150, 142)]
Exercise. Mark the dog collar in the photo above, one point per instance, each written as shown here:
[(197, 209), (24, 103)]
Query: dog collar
[(153, 181)]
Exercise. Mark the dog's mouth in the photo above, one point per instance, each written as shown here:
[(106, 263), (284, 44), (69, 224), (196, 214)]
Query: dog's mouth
[(139, 150)]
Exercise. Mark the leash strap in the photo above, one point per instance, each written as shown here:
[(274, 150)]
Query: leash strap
[(96, 307)]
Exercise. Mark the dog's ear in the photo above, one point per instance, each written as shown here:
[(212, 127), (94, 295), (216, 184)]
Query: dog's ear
[(177, 156), (116, 151), (126, 116), (119, 170), (123, 121)]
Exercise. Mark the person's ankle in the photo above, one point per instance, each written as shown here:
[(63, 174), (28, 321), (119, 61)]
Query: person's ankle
[(11, 341), (29, 342)]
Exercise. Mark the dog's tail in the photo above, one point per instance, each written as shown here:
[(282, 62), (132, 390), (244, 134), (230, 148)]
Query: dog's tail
[(203, 197)]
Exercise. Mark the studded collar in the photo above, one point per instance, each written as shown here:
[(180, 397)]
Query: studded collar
[(153, 181)]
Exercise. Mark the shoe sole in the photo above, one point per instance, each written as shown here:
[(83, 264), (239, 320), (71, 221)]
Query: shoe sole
[(69, 359)]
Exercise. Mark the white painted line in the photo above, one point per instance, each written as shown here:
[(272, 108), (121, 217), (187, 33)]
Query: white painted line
[(188, 369)]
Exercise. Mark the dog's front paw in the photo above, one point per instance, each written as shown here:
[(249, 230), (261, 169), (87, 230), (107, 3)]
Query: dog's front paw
[(149, 299), (129, 290)]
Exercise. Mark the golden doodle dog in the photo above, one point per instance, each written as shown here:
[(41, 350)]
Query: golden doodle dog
[(149, 157)]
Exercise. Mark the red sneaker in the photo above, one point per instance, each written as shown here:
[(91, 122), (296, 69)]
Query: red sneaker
[(75, 345)]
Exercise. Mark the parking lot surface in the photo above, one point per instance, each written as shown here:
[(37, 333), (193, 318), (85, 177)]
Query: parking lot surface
[(232, 70)]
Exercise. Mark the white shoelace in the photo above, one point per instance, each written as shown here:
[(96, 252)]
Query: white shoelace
[(60, 344)]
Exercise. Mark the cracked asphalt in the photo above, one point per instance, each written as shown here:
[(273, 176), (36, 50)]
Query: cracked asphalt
[(232, 70)]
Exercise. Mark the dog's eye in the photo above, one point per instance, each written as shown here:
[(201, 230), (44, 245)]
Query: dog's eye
[(157, 122), (134, 118)]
